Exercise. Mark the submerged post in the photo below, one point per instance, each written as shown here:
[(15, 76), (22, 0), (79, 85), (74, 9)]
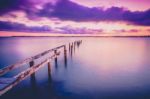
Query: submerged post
[(49, 71), (65, 55), (56, 64), (69, 47), (74, 46), (31, 63), (8, 83)]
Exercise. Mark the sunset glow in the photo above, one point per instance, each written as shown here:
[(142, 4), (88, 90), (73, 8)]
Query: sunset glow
[(75, 18)]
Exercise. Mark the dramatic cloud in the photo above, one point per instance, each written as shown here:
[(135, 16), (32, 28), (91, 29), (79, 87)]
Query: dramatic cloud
[(13, 26), (67, 10), (130, 4), (9, 5), (9, 26), (72, 30)]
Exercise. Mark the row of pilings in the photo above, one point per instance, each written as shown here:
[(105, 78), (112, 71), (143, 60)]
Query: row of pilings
[(33, 66), (68, 51)]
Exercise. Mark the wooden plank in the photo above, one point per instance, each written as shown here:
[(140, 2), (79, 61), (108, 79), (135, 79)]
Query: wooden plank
[(11, 67), (5, 84), (21, 63), (8, 83)]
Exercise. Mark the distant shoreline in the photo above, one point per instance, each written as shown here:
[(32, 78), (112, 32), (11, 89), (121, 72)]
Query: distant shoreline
[(71, 36), (24, 34)]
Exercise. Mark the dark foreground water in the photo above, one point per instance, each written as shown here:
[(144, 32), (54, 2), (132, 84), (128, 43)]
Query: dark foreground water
[(100, 68)]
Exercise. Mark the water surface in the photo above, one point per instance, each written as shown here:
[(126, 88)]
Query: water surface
[(100, 68)]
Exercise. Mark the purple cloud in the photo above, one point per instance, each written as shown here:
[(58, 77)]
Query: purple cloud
[(72, 30), (68, 10), (127, 31), (7, 26), (11, 5), (13, 26)]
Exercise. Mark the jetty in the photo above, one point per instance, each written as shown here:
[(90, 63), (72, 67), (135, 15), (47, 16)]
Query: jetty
[(7, 83)]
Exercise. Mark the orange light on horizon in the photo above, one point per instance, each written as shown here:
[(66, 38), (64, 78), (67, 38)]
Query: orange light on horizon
[(9, 34)]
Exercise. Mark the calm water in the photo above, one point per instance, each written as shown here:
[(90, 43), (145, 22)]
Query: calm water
[(100, 68)]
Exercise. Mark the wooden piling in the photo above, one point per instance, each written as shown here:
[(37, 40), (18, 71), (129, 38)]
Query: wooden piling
[(21, 63), (49, 69), (69, 47), (49, 72), (32, 64), (65, 56), (56, 64), (74, 46), (8, 83)]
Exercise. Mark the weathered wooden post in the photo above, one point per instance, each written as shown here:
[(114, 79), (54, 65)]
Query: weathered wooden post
[(31, 63), (9, 83), (78, 44), (65, 55), (49, 72), (69, 47), (74, 46), (56, 64)]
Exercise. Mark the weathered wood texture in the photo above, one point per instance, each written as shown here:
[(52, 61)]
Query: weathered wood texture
[(21, 63), (8, 83)]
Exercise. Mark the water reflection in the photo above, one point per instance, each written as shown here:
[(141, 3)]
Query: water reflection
[(49, 72), (65, 57), (114, 65), (71, 50), (33, 82), (33, 78), (102, 68)]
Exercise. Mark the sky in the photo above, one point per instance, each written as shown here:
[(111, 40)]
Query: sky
[(74, 17)]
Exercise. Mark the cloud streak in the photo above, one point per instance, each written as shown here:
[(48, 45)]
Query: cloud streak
[(13, 26), (67, 10)]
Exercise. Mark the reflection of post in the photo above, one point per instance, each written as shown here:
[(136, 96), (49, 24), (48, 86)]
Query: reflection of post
[(65, 56), (56, 64), (33, 82), (71, 49), (50, 83), (49, 72), (32, 77)]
